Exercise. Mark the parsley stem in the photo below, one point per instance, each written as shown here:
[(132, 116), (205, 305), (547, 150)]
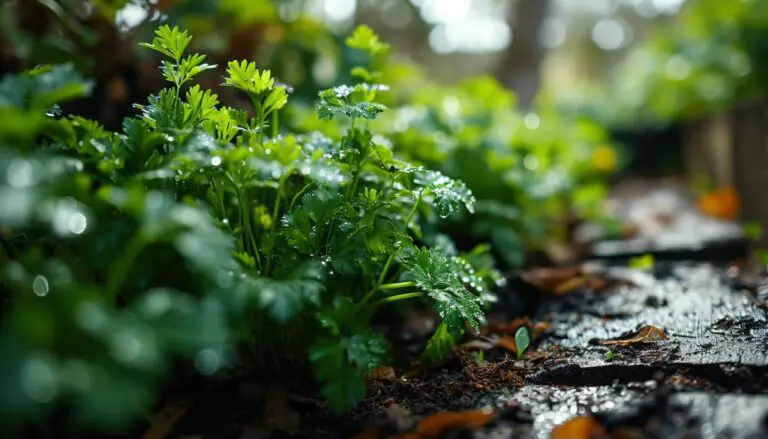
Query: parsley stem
[(384, 270), (275, 212), (298, 194), (398, 297), (396, 285), (275, 128), (120, 268)]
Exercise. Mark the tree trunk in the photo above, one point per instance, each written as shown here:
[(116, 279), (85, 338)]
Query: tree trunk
[(520, 65)]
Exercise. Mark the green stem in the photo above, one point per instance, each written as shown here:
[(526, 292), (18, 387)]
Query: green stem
[(275, 128), (356, 180), (298, 194), (398, 297), (247, 224), (396, 286), (391, 258), (275, 213), (119, 271)]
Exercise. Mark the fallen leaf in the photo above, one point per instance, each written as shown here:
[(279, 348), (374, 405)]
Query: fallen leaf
[(723, 203), (508, 343), (509, 328), (548, 279), (433, 426), (583, 427), (648, 333), (570, 285), (165, 419), (384, 373), (540, 327)]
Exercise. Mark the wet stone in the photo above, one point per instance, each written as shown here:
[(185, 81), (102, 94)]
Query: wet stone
[(692, 415), (550, 406), (708, 323)]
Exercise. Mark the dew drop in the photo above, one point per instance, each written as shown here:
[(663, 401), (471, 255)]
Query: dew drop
[(40, 286), (77, 223)]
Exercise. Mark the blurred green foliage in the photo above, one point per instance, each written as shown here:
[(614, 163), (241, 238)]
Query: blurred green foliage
[(531, 172), (708, 58)]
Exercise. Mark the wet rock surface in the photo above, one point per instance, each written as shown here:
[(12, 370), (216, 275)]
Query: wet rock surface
[(681, 353), (712, 329), (707, 379)]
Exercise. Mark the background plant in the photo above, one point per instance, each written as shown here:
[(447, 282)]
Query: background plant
[(531, 171)]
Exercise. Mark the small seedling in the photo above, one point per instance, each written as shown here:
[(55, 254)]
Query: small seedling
[(480, 358), (609, 356), (644, 262), (522, 341)]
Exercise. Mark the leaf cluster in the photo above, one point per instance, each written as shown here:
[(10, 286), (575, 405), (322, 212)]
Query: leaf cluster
[(194, 233)]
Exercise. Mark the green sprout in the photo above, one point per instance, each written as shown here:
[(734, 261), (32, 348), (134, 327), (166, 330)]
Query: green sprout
[(522, 341)]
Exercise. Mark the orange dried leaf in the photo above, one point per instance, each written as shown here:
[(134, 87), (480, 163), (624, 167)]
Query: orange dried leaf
[(570, 285), (723, 203), (507, 343), (648, 333), (540, 328), (432, 426), (548, 279), (384, 373), (509, 328), (583, 427)]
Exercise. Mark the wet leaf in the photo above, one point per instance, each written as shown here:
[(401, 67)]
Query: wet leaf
[(583, 427), (646, 334)]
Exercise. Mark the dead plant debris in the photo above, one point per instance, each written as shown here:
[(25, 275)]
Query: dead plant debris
[(645, 334)]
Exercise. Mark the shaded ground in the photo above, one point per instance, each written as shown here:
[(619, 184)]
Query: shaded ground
[(678, 351)]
